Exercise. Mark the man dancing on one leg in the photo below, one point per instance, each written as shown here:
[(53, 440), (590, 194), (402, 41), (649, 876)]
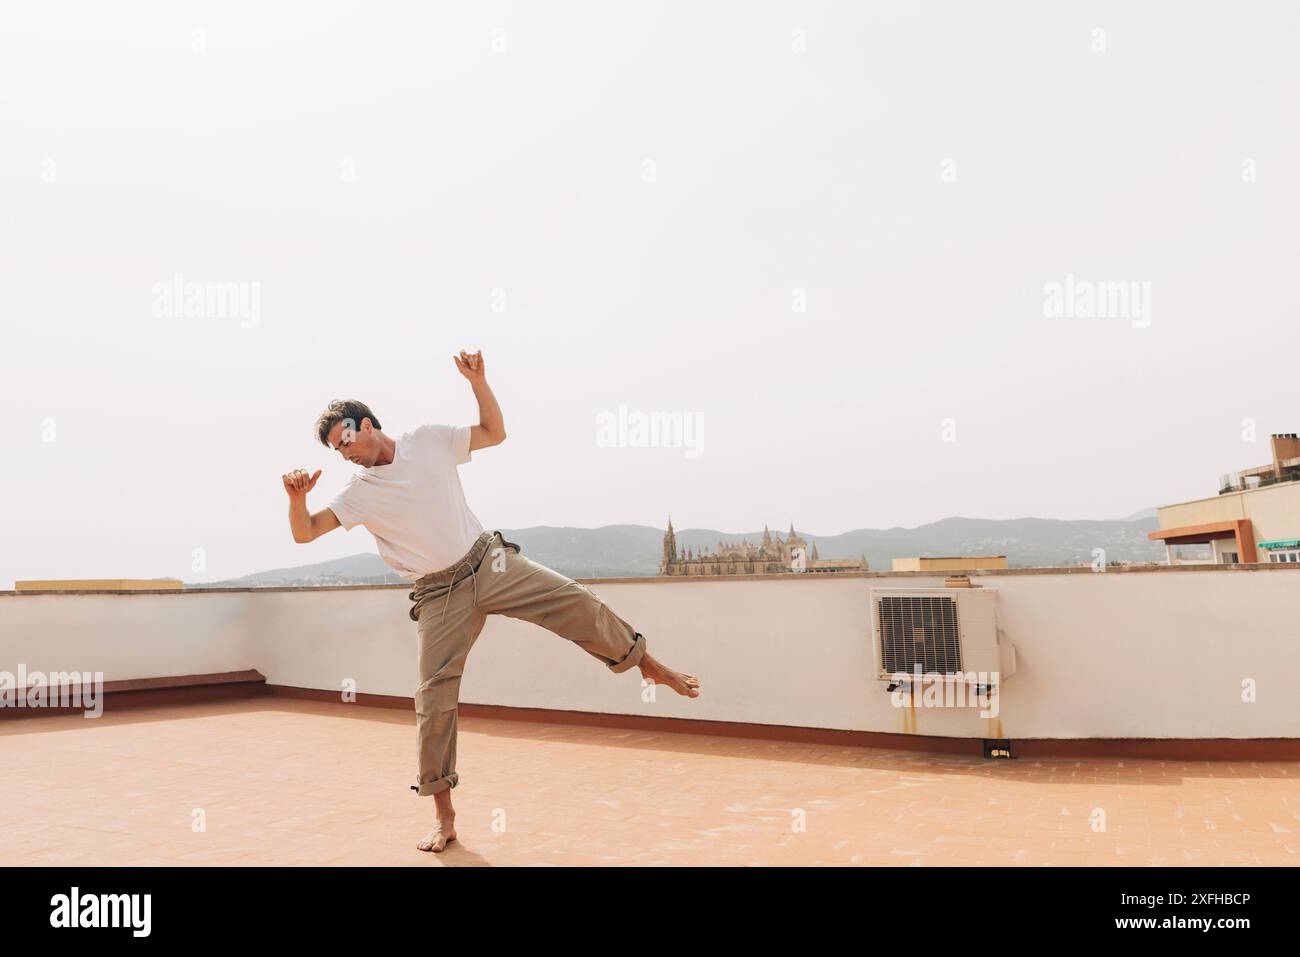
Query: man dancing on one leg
[(408, 495)]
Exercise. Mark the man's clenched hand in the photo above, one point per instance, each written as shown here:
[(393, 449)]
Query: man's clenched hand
[(298, 483), (471, 366)]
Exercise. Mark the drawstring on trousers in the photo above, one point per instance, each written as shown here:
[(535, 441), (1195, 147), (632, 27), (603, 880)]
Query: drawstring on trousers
[(473, 574)]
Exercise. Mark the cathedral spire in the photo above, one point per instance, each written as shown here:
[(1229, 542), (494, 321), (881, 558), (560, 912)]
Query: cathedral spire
[(670, 542)]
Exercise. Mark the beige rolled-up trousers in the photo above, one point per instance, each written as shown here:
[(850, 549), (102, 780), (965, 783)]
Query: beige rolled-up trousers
[(451, 607)]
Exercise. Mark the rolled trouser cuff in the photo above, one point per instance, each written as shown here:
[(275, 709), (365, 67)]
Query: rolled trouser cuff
[(436, 785), (632, 658)]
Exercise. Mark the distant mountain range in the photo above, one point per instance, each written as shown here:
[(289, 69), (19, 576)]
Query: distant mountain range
[(613, 551)]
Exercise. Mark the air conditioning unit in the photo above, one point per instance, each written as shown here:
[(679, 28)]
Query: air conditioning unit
[(940, 631)]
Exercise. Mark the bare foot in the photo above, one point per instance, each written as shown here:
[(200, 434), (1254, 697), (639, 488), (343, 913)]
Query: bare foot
[(437, 839), (655, 672)]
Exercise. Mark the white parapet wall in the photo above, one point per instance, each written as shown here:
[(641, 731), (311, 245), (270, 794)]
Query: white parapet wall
[(1159, 653)]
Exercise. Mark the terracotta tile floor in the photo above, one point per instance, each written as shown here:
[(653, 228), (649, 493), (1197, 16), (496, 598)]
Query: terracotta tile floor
[(283, 781)]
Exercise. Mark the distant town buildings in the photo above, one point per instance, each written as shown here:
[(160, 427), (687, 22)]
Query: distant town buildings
[(101, 584), (1254, 518), (949, 563), (772, 556)]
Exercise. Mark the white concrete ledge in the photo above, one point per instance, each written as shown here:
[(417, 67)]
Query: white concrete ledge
[(1156, 653)]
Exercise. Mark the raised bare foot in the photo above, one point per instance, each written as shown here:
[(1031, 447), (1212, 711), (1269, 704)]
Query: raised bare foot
[(655, 672), (437, 839)]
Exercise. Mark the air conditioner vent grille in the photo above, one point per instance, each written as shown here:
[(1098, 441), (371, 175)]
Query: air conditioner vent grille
[(919, 632)]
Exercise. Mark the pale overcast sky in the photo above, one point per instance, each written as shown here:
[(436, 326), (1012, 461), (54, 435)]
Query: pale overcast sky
[(821, 230)]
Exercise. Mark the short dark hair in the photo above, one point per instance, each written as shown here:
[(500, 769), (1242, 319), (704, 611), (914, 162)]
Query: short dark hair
[(343, 410)]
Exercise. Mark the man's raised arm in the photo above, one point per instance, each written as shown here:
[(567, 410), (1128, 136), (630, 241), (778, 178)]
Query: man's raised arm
[(306, 527), (491, 428)]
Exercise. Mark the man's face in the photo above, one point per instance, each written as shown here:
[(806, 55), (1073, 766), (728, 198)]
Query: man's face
[(358, 444)]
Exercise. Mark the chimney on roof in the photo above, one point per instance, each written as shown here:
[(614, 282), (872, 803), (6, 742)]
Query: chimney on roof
[(1286, 446)]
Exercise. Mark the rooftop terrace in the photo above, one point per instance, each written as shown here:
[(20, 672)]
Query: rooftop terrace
[(292, 782), (1159, 704)]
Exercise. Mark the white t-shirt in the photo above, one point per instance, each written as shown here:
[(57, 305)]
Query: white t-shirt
[(414, 506)]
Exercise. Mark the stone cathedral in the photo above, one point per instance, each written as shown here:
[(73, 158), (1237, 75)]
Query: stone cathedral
[(773, 556)]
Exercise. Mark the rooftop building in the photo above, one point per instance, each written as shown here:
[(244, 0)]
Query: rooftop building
[(1254, 518)]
